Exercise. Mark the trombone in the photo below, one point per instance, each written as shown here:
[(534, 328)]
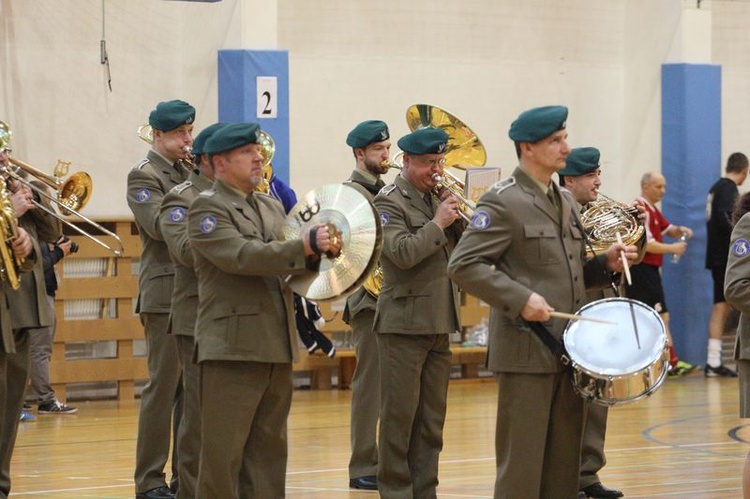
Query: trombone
[(72, 194)]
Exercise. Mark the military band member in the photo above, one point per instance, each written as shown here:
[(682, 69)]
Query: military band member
[(737, 293), (245, 333), (20, 310), (173, 224), (582, 178), (148, 182), (14, 350), (371, 146), (524, 255), (417, 309)]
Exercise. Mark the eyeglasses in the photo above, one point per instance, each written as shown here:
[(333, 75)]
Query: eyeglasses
[(432, 162)]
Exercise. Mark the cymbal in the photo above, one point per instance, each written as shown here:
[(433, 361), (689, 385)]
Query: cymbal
[(464, 147), (359, 228)]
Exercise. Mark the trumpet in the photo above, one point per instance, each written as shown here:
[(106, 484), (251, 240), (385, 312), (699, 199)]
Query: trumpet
[(396, 162), (453, 184), (146, 133)]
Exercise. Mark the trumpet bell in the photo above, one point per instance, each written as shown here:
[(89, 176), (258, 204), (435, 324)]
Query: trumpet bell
[(146, 133), (268, 148), (464, 147)]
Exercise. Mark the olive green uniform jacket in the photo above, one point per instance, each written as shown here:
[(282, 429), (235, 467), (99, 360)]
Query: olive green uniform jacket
[(246, 310), (417, 296), (361, 299), (737, 284), (517, 244), (148, 182), (174, 229)]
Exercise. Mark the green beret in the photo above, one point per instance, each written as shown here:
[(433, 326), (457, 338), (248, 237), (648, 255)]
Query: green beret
[(170, 115), (535, 124), (581, 160), (428, 140), (200, 141), (367, 132), (231, 137)]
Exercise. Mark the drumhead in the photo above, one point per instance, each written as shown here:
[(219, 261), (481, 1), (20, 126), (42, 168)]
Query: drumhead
[(612, 349)]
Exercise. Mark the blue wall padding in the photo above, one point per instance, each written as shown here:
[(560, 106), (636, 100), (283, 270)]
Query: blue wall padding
[(691, 163), (238, 70)]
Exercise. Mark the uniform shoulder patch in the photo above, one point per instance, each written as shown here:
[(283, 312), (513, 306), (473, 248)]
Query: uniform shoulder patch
[(141, 164), (384, 218), (143, 195), (207, 224), (387, 189), (501, 185), (177, 214), (180, 188), (480, 220), (741, 248), (208, 193)]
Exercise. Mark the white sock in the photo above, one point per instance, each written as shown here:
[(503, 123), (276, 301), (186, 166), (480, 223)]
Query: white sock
[(714, 352)]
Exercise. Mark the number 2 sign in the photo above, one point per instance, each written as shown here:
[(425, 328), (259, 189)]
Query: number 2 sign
[(266, 98)]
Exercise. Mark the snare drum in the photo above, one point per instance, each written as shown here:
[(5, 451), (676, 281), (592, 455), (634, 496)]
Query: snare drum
[(608, 366)]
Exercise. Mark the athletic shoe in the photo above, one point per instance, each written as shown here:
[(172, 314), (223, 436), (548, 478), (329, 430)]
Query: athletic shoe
[(27, 416), (681, 368), (56, 407), (722, 370)]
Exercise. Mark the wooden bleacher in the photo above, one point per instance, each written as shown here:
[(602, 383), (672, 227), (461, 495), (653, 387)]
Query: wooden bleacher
[(113, 293)]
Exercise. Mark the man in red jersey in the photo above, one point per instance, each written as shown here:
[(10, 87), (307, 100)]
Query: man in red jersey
[(647, 286)]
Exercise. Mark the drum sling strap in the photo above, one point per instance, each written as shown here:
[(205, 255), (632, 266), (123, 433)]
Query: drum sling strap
[(556, 347)]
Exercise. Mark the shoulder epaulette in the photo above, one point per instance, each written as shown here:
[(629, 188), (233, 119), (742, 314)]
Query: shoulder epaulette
[(501, 185), (387, 189), (142, 163), (208, 193), (181, 187)]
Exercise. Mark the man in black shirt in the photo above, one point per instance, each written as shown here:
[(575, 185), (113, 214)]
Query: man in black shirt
[(719, 207)]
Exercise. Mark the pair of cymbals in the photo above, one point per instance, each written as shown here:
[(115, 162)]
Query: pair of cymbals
[(358, 227)]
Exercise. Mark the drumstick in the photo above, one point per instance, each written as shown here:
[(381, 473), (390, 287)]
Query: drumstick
[(625, 266), (573, 317), (635, 325)]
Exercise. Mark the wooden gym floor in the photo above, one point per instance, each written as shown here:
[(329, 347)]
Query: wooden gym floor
[(686, 441)]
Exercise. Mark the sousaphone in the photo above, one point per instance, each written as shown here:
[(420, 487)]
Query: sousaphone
[(350, 216)]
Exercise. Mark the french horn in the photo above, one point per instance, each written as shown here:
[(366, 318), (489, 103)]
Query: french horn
[(604, 217), (464, 150)]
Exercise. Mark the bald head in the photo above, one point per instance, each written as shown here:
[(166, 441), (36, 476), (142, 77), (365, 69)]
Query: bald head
[(653, 186)]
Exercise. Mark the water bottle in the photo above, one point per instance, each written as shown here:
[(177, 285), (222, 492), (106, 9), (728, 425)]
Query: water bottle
[(676, 257)]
